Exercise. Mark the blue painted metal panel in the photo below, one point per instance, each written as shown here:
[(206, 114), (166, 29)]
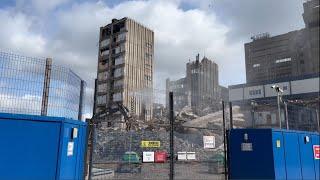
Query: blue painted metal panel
[(255, 164), (35, 147), (68, 157), (292, 155), (29, 150), (315, 140), (278, 155), (307, 162), (82, 152)]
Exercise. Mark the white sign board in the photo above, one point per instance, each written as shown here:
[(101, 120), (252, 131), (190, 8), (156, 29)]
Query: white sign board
[(70, 148), (191, 155), (182, 155), (186, 156), (148, 157), (246, 147), (209, 142)]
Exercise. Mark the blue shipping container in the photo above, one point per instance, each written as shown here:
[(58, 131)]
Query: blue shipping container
[(41, 147), (273, 154)]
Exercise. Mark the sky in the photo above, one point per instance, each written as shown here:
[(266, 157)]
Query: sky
[(68, 30)]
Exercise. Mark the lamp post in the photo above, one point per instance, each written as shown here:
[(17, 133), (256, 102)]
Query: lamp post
[(279, 92)]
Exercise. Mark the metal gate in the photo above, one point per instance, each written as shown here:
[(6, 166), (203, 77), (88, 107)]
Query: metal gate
[(182, 145)]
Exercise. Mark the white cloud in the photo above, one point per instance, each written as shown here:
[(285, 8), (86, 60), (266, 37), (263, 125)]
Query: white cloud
[(16, 34), (40, 7), (179, 36)]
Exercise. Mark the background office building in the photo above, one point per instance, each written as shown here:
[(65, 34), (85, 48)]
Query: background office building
[(292, 54), (301, 96), (290, 61), (125, 68), (37, 86), (200, 88)]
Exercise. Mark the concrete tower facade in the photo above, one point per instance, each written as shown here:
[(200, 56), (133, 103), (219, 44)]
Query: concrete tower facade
[(125, 67)]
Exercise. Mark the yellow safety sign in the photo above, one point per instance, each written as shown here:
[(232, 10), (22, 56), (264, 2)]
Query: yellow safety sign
[(150, 144)]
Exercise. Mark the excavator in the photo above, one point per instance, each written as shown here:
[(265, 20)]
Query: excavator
[(105, 115)]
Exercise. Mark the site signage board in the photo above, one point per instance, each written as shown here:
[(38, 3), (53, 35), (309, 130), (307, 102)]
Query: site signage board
[(186, 156), (148, 156), (316, 151), (150, 144), (209, 142)]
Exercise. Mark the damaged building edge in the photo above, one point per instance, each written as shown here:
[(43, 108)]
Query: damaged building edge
[(123, 77)]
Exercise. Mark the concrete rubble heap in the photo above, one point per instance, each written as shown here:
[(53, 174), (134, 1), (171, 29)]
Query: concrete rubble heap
[(111, 144)]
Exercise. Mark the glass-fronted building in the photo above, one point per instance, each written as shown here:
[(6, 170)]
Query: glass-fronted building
[(39, 87)]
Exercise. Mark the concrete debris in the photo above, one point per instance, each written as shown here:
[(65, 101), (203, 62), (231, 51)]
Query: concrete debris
[(111, 143)]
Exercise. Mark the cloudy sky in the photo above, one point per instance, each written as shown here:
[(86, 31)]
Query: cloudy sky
[(67, 31)]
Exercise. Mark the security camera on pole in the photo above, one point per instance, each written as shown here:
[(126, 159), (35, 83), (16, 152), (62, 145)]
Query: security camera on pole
[(279, 93)]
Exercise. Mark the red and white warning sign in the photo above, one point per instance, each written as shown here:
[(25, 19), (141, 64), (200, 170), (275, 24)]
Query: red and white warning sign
[(316, 151)]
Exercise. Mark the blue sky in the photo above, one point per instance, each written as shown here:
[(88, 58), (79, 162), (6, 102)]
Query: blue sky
[(67, 31)]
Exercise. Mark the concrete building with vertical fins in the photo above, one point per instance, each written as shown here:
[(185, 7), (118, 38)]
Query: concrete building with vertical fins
[(203, 78), (200, 88), (37, 86), (125, 68)]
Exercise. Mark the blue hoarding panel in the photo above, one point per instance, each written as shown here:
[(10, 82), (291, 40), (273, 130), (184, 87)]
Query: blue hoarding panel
[(278, 155), (292, 155), (83, 138), (255, 163), (306, 151), (28, 154), (316, 142), (68, 156), (272, 154), (38, 147)]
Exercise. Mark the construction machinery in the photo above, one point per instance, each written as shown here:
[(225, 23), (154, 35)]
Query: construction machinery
[(107, 115)]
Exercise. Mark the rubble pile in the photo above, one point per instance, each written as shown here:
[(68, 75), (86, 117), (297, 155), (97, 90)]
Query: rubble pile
[(215, 120), (111, 144)]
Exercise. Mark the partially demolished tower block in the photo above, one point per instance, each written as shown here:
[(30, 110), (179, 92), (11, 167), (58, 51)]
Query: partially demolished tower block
[(125, 68)]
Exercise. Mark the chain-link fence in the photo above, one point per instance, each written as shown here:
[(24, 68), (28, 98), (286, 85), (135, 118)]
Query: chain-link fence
[(126, 154), (199, 143), (294, 114)]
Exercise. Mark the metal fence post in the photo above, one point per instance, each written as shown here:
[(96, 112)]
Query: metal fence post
[(279, 111), (224, 140), (287, 115), (231, 115), (171, 117)]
